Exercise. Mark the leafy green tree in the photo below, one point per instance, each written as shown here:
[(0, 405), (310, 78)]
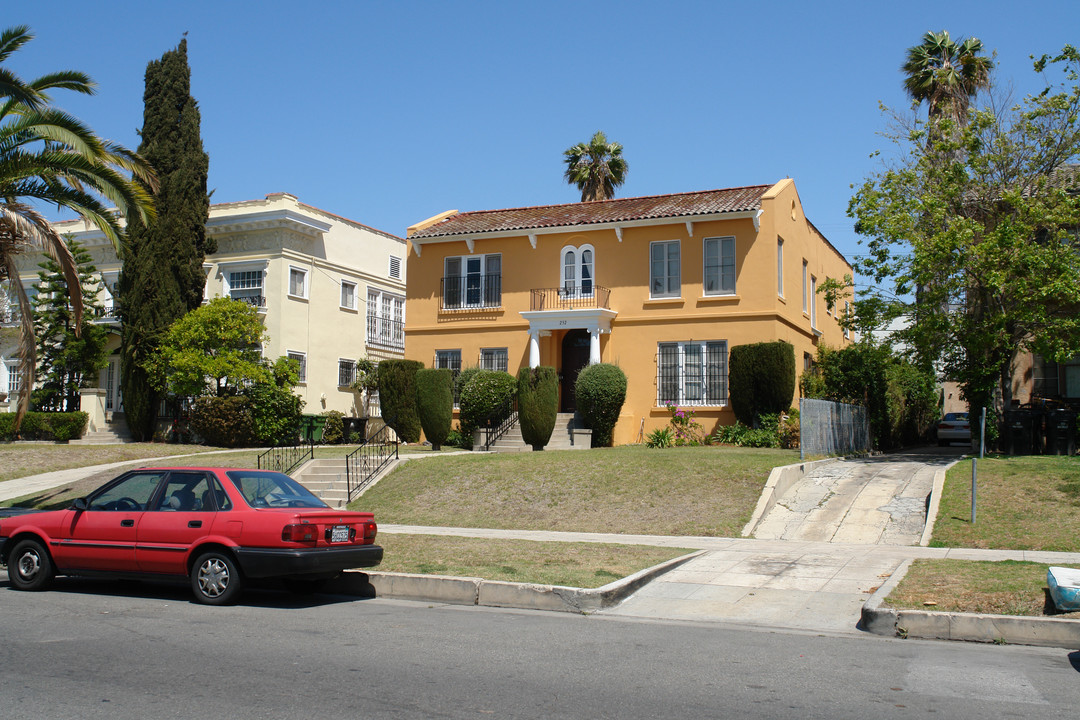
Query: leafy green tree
[(163, 276), (596, 167), (48, 156), (538, 404), (974, 236), (435, 403), (69, 352), (599, 392), (214, 350), (275, 408)]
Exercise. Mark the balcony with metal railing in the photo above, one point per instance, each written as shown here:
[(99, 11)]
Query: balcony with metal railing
[(571, 297), (471, 292), (385, 332), (256, 301)]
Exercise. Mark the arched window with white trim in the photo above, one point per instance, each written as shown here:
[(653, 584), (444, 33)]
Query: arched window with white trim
[(577, 271)]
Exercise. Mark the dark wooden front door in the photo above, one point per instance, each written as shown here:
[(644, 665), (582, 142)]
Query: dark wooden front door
[(575, 356)]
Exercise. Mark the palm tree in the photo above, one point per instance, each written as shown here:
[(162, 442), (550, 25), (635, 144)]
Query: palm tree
[(946, 74), (47, 156), (597, 168)]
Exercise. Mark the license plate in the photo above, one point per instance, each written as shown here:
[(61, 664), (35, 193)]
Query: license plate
[(339, 534)]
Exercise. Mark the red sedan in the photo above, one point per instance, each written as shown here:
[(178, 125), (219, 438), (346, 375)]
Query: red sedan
[(218, 527)]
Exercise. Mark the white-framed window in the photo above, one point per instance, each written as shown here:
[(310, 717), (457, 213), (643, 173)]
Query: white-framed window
[(805, 273), (348, 295), (577, 270), (298, 282), (472, 281), (14, 379), (494, 359), (301, 360), (813, 302), (780, 266), (692, 373), (395, 268), (665, 264), (385, 319), (346, 372), (719, 264), (450, 360)]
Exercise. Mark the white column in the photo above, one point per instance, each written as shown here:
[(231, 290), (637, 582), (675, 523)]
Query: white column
[(534, 348), (594, 346)]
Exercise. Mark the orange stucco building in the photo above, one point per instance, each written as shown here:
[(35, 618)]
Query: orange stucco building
[(662, 286)]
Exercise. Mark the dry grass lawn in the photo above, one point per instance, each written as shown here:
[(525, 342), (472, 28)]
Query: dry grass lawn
[(584, 565), (1001, 588), (21, 459), (708, 491)]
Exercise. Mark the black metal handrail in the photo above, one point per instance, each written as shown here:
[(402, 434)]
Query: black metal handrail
[(499, 422), (364, 463), (286, 458), (571, 296)]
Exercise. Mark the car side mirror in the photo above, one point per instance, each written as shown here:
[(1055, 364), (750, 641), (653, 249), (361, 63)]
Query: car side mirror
[(78, 504)]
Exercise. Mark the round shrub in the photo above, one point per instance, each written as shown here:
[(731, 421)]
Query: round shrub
[(482, 396), (435, 403), (334, 429), (600, 392), (223, 421), (538, 404)]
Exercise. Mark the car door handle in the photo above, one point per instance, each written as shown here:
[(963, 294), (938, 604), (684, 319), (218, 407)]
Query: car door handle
[(195, 524), (127, 523)]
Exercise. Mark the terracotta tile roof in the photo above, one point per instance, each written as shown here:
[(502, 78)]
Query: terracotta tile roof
[(708, 202)]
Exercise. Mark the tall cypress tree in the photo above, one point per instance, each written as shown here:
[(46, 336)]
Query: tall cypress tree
[(163, 276), (65, 358)]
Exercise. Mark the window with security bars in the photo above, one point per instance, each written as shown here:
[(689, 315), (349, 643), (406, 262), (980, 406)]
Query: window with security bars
[(301, 361), (247, 286), (692, 373), (494, 359), (346, 372), (450, 360), (386, 319)]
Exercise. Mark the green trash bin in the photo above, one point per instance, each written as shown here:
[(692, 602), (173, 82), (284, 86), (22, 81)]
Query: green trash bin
[(312, 427)]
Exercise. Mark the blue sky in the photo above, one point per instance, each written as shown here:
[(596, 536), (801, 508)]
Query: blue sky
[(391, 112)]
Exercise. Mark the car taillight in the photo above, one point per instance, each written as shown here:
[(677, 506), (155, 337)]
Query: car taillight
[(370, 529), (302, 532)]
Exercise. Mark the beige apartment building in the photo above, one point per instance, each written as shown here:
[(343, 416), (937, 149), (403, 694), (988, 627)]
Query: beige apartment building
[(330, 291)]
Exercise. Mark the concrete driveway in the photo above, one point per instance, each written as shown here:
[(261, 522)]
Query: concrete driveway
[(818, 555)]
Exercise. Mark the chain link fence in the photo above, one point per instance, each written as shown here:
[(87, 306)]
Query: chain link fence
[(832, 428)]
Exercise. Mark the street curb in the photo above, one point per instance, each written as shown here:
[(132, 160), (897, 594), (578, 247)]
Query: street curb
[(493, 593), (781, 479), (973, 627), (935, 503)]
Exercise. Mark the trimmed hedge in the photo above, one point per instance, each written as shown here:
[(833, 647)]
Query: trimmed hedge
[(600, 392), (223, 421), (45, 426), (761, 379), (435, 403), (397, 397), (486, 392), (538, 404)]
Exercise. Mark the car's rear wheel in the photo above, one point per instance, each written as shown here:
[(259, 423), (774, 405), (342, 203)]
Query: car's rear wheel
[(29, 566), (215, 579)]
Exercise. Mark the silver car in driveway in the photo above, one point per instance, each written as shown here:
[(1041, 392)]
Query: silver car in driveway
[(954, 427)]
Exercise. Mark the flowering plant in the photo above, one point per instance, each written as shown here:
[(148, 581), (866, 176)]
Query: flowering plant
[(687, 430)]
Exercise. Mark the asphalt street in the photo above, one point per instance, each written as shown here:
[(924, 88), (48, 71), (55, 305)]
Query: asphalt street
[(91, 649)]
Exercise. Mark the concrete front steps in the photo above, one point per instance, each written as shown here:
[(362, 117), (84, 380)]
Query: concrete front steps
[(326, 478), (113, 432), (565, 436)]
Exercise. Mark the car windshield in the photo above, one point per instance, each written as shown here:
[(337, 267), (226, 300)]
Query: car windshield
[(264, 489)]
